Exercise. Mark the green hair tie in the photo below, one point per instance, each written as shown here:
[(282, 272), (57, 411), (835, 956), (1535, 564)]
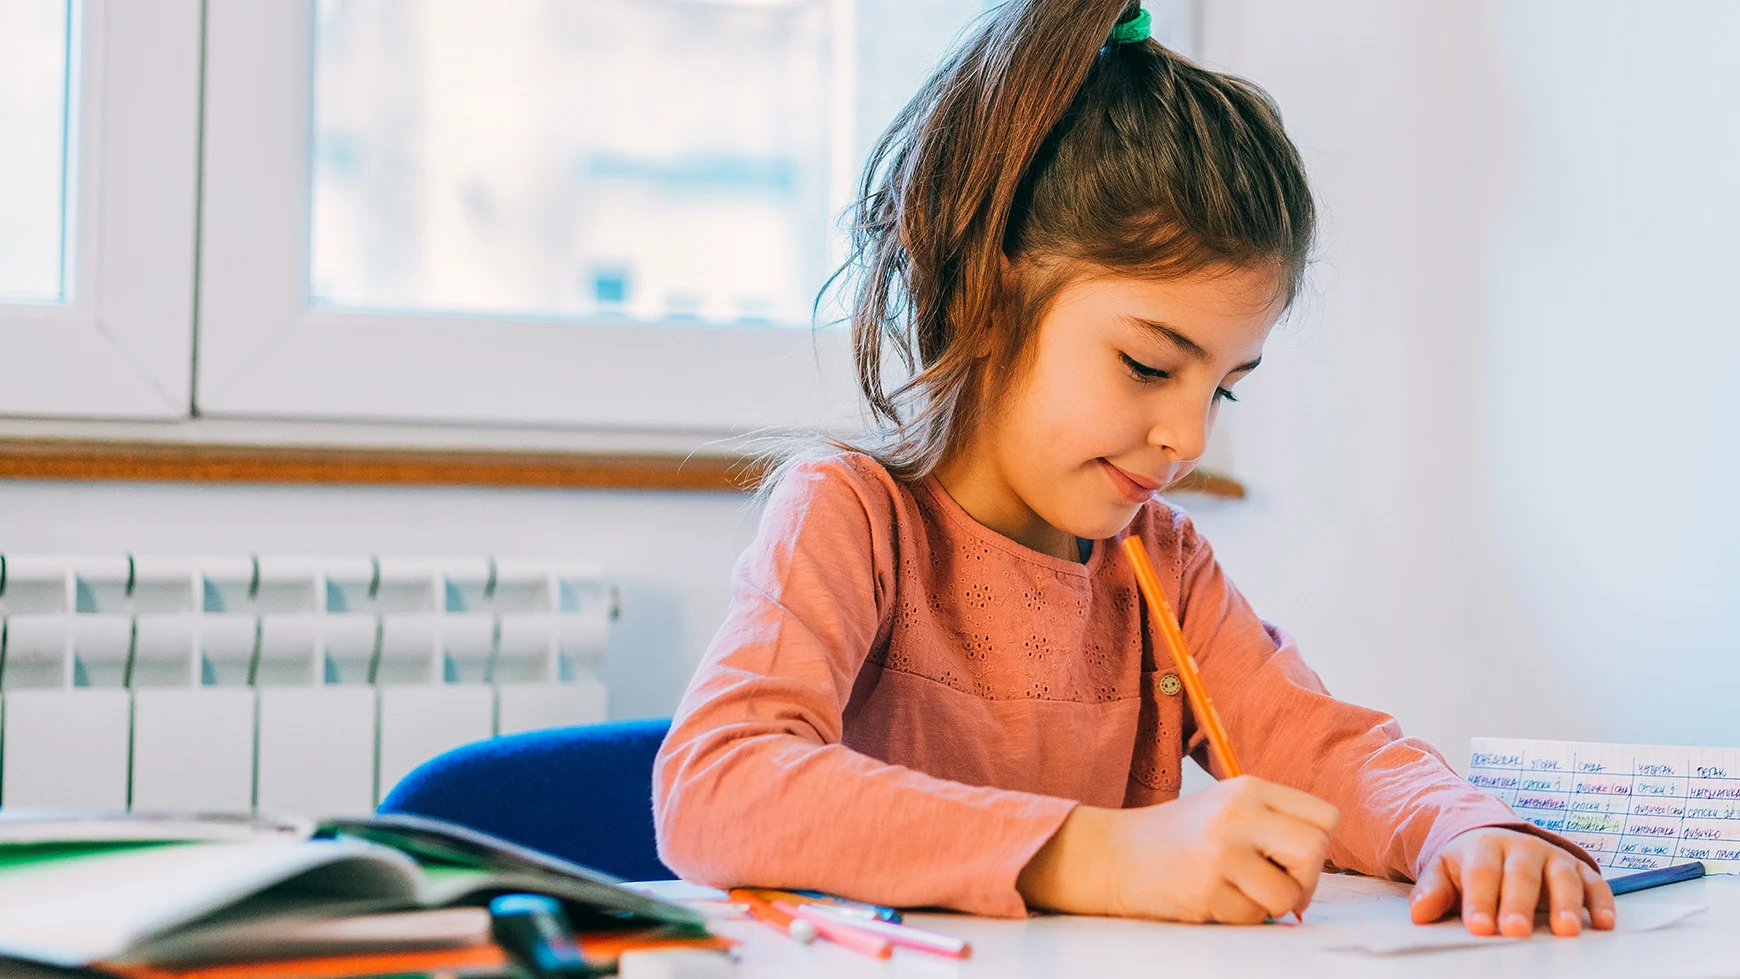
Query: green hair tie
[(1132, 31)]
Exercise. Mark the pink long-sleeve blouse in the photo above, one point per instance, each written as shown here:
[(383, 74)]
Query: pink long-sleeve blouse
[(903, 705)]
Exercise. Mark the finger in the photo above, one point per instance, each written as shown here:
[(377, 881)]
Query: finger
[(1230, 905), (1297, 847), (1564, 895), (1598, 897), (1478, 877), (1434, 894), (1268, 886), (1299, 805), (1524, 868)]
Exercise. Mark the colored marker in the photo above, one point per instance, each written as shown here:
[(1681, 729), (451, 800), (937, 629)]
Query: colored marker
[(905, 936), (854, 936), (1645, 879), (817, 897)]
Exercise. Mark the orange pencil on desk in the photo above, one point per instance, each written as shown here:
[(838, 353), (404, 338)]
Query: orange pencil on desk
[(1200, 702), (797, 929)]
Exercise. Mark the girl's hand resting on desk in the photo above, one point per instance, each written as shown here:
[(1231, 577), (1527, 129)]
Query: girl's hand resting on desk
[(1240, 851), (1498, 875)]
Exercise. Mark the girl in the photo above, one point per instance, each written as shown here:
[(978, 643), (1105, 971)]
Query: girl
[(937, 684)]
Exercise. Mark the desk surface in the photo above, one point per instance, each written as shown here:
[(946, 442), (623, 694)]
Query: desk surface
[(1705, 945)]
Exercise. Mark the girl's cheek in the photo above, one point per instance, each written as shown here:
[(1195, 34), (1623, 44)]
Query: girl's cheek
[(1091, 428), (1121, 423)]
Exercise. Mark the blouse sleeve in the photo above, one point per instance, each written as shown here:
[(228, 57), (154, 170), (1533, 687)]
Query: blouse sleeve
[(1400, 801), (753, 787)]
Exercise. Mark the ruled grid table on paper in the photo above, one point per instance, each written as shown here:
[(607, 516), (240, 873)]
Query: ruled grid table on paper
[(1632, 806)]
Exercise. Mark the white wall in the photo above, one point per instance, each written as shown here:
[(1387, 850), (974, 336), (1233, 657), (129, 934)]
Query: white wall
[(671, 553), (1492, 458)]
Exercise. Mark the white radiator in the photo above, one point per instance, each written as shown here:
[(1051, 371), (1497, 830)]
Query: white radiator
[(278, 684)]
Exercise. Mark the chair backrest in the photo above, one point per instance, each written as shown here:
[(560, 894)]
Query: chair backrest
[(581, 793)]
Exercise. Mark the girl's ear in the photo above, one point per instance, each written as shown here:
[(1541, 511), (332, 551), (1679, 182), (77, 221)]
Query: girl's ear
[(1013, 272), (1010, 286)]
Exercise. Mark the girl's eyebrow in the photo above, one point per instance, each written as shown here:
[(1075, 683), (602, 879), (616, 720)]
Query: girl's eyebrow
[(1190, 347)]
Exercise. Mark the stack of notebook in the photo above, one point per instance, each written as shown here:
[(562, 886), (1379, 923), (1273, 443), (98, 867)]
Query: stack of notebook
[(157, 896)]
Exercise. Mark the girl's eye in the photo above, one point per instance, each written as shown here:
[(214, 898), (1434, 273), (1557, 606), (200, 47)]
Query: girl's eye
[(1145, 374), (1142, 371)]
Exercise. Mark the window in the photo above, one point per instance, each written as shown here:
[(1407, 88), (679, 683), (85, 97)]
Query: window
[(653, 161), (37, 55), (99, 109)]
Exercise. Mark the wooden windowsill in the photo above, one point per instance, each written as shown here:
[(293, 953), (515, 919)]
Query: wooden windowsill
[(153, 461)]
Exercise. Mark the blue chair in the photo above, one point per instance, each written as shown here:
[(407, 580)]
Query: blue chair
[(581, 793)]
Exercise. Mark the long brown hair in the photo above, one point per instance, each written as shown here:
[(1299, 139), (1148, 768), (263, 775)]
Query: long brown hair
[(1040, 139)]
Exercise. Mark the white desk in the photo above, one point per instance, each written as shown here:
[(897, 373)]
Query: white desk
[(1705, 945)]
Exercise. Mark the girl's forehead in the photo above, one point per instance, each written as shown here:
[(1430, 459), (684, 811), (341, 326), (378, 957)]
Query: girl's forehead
[(1231, 291), (1230, 303)]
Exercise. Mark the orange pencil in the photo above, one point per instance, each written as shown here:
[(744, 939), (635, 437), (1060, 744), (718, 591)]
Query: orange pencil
[(1200, 701), (801, 931)]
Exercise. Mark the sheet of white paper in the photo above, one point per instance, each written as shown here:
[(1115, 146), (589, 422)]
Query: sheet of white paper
[(1352, 899), (1396, 937), (1633, 807)]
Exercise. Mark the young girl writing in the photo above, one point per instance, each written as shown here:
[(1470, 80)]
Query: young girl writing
[(937, 684)]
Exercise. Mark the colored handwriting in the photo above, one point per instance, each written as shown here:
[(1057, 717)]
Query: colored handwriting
[(1632, 806), (1538, 802)]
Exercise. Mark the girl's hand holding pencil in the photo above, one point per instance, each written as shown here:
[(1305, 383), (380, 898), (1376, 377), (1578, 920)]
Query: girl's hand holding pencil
[(1238, 852), (1243, 851)]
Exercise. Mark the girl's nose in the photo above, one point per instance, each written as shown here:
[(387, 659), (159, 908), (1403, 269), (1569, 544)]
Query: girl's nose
[(1182, 432)]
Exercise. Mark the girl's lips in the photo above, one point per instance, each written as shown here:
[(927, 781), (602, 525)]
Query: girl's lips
[(1126, 484)]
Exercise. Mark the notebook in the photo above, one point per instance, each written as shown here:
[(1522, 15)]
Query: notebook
[(130, 889), (1632, 806)]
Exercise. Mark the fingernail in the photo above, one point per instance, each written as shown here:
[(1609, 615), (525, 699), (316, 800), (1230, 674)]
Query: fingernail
[(1481, 920), (1518, 922), (1571, 920), (1604, 917)]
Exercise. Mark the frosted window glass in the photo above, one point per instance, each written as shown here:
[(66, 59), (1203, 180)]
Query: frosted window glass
[(36, 58), (636, 160), (643, 158)]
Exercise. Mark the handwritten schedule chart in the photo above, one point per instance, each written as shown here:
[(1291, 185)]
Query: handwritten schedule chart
[(1632, 806)]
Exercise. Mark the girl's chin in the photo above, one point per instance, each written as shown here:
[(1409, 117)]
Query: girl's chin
[(1110, 520), (1092, 511)]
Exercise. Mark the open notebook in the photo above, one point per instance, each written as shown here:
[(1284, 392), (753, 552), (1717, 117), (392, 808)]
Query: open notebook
[(80, 890)]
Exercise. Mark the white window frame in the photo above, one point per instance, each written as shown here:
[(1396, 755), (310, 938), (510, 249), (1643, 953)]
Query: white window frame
[(121, 345), (267, 352)]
